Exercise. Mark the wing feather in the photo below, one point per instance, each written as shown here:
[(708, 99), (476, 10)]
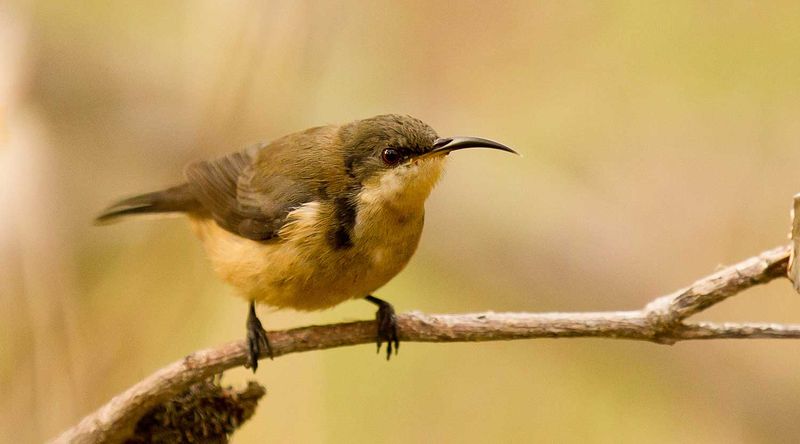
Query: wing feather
[(251, 192), (228, 190)]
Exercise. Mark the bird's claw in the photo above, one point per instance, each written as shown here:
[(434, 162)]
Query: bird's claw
[(257, 341), (386, 321)]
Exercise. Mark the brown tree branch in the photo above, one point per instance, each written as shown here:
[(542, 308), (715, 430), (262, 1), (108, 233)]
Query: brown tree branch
[(661, 321)]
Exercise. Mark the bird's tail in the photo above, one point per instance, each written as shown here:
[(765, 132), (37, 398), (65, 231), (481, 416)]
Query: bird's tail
[(171, 200)]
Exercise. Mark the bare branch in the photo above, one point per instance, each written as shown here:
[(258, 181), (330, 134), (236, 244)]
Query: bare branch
[(721, 285), (661, 321)]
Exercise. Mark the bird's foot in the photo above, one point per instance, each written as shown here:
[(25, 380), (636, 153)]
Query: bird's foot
[(387, 326), (257, 340)]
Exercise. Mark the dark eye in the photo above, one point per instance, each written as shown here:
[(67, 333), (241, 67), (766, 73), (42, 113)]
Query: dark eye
[(391, 156)]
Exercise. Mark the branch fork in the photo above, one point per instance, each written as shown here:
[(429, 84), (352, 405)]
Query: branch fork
[(661, 321)]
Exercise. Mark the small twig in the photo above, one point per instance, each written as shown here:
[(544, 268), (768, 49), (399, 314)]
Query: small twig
[(661, 321), (721, 285), (794, 235)]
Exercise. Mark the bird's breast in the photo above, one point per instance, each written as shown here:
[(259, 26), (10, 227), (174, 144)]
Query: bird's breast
[(329, 251), (303, 269)]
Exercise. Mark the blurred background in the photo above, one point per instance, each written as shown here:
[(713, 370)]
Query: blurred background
[(660, 140)]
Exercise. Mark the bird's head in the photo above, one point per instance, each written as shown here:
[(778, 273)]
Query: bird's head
[(400, 158)]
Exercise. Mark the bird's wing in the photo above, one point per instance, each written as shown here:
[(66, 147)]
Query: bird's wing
[(242, 199)]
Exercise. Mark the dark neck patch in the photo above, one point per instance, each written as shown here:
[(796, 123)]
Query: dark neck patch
[(344, 214)]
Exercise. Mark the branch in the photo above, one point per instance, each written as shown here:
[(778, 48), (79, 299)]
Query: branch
[(661, 321)]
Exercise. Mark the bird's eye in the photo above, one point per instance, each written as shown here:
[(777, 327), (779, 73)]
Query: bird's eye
[(391, 156)]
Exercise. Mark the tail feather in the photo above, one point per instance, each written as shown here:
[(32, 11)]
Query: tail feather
[(171, 200)]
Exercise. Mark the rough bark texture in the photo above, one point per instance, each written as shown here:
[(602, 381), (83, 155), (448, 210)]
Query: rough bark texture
[(661, 321), (205, 412)]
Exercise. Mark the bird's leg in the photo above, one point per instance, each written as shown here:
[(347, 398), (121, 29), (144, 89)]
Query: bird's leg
[(387, 326), (257, 340)]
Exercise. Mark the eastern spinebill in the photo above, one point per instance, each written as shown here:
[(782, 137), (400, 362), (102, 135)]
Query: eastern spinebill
[(314, 218)]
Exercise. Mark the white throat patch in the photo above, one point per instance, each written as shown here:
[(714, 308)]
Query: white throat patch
[(404, 187)]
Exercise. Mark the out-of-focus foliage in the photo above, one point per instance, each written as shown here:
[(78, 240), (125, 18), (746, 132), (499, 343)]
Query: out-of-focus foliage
[(659, 139)]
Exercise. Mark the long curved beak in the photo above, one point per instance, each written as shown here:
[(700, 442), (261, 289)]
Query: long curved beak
[(447, 144)]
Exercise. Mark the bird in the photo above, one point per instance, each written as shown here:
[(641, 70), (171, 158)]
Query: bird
[(314, 218)]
